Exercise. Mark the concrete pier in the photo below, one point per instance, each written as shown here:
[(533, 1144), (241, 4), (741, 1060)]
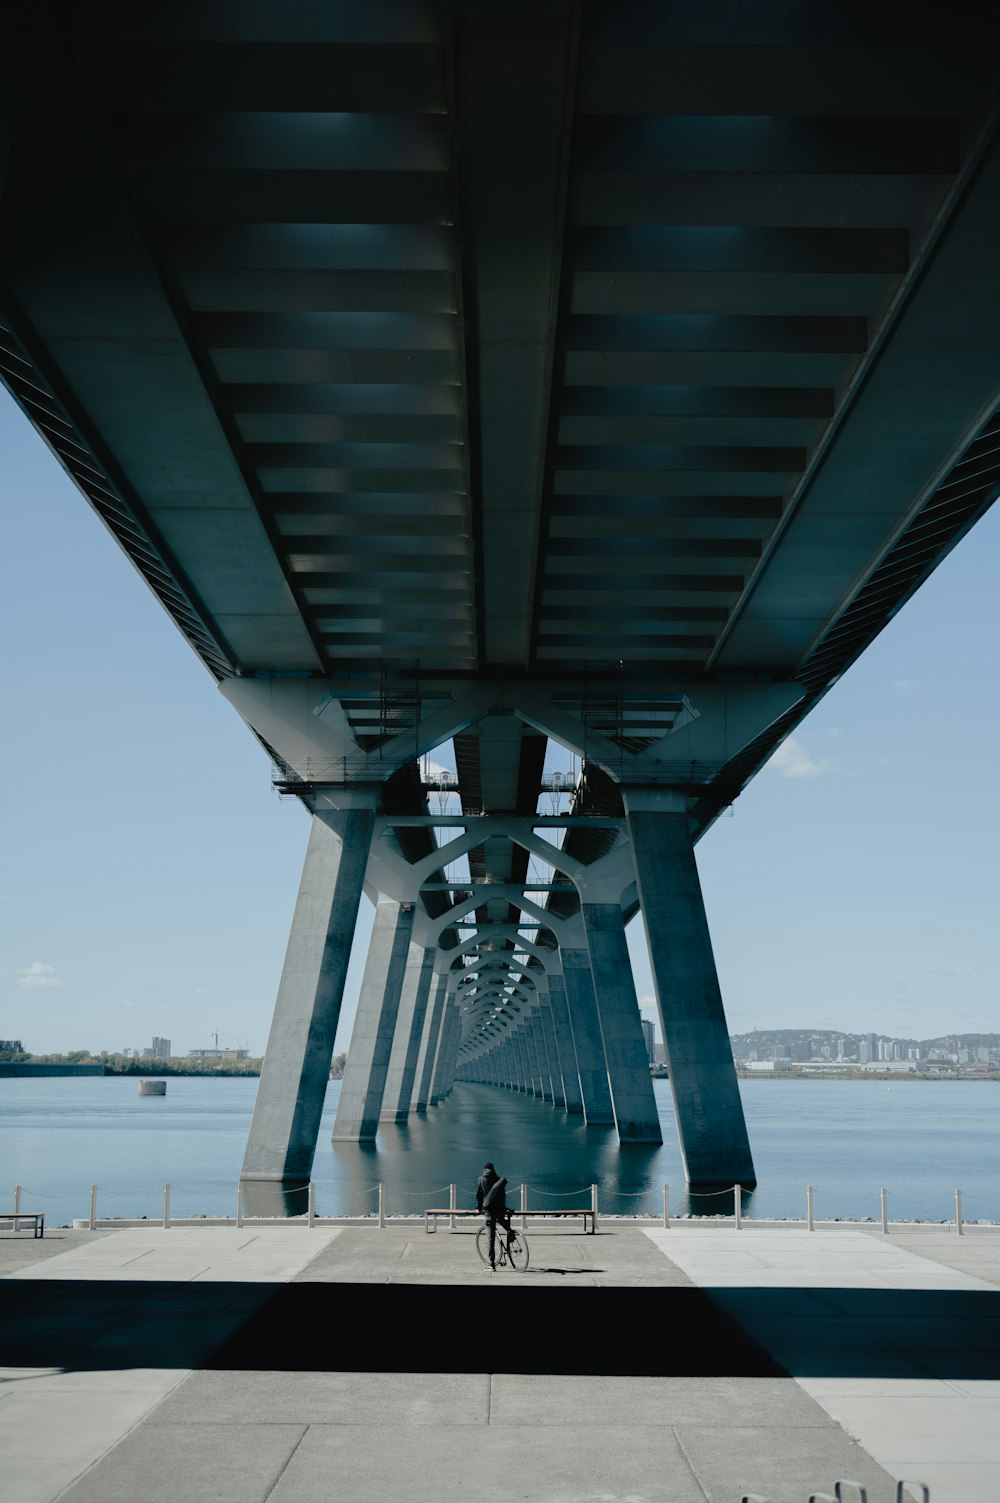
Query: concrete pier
[(413, 999), (710, 1121), (625, 1050), (296, 1067), (430, 1042), (589, 1046), (567, 1049), (363, 1088)]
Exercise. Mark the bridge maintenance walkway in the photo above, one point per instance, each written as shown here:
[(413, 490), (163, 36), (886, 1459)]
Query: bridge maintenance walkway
[(686, 1364)]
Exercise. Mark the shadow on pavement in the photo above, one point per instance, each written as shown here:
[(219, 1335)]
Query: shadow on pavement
[(655, 1332)]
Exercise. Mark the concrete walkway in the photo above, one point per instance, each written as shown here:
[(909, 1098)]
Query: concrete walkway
[(356, 1365)]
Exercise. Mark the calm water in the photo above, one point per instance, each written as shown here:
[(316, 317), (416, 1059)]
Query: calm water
[(846, 1138)]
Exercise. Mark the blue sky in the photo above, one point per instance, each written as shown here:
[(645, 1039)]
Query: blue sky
[(148, 873)]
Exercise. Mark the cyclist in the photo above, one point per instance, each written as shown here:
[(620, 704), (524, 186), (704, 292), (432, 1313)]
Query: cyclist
[(491, 1201)]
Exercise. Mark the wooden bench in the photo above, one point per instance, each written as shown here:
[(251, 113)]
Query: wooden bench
[(37, 1218), (431, 1216)]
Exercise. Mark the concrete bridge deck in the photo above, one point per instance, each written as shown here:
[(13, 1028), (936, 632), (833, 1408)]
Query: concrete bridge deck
[(689, 1364)]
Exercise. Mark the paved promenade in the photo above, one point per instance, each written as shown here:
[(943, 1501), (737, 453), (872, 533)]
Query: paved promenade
[(637, 1366)]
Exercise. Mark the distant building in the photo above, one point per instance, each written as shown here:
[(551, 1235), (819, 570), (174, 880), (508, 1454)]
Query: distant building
[(11, 1046), (160, 1049), (648, 1035), (219, 1054)]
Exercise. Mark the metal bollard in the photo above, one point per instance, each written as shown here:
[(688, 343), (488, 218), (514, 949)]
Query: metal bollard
[(239, 1205), (738, 1206), (666, 1207), (524, 1204), (381, 1206), (92, 1224), (311, 1210), (593, 1206), (901, 1486), (17, 1207), (166, 1208), (862, 1492), (884, 1198), (453, 1206), (958, 1213), (810, 1221)]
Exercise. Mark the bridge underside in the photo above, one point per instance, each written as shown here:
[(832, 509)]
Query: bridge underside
[(593, 376)]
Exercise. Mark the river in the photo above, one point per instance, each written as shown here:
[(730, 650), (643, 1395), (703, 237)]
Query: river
[(846, 1138)]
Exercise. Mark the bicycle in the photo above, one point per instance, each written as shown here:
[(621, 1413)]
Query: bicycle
[(510, 1246)]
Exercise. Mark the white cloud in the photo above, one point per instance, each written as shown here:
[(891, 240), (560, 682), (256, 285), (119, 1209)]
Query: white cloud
[(902, 688), (36, 976), (792, 760)]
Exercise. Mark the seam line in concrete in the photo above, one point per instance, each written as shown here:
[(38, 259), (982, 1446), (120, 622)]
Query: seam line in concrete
[(182, 1378), (689, 1463), (283, 1469), (335, 1233)]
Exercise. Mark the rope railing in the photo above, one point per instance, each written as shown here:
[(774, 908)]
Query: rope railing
[(728, 1205)]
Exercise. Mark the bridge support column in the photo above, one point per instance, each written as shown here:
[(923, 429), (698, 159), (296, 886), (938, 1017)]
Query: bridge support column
[(586, 1025), (625, 1052), (444, 1070), (710, 1122), (413, 999), (296, 1070), (429, 1043), (552, 1051), (374, 1027), (521, 1076), (544, 1053), (564, 1039), (534, 1062)]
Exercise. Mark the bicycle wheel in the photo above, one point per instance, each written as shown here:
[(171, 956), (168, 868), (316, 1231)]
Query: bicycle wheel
[(517, 1250), (483, 1243)]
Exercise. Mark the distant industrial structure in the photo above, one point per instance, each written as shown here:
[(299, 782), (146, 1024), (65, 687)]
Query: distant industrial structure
[(160, 1049)]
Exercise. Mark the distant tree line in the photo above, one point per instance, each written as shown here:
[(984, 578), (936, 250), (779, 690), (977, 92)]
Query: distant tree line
[(120, 1064)]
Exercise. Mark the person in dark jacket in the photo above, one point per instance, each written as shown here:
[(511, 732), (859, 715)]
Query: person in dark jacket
[(492, 1201)]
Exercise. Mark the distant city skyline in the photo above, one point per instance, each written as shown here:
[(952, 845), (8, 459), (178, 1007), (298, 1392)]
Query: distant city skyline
[(149, 873)]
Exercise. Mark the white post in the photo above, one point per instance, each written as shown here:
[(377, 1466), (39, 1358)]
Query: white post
[(666, 1207), (166, 1207), (958, 1212), (312, 1204), (884, 1197), (92, 1224), (239, 1205), (17, 1207), (381, 1206), (810, 1220), (593, 1205), (452, 1206), (524, 1204), (738, 1206)]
